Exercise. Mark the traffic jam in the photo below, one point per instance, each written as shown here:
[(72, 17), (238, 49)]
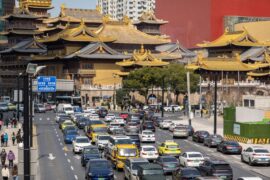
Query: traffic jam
[(126, 143)]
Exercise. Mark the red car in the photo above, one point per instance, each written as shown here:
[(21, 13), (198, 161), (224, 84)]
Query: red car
[(124, 115)]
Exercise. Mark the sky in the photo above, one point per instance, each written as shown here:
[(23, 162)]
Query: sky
[(84, 4)]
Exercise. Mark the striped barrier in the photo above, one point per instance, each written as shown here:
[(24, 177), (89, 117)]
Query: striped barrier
[(247, 140)]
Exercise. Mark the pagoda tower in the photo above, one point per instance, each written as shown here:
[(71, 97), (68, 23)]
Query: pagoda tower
[(38, 7)]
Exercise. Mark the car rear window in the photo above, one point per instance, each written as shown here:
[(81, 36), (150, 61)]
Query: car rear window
[(169, 159), (222, 166), (195, 155), (261, 151), (233, 143), (149, 149), (192, 172)]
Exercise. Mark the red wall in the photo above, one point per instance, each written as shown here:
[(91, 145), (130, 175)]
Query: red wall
[(193, 21)]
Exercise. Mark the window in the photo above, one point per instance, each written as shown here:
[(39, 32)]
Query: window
[(87, 66), (87, 80)]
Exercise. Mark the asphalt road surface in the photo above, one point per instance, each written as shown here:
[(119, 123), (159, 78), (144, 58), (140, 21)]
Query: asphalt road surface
[(57, 161)]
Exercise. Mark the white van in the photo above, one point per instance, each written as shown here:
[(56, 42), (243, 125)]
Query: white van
[(66, 108)]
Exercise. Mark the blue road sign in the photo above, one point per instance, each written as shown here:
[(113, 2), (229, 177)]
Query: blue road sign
[(46, 84)]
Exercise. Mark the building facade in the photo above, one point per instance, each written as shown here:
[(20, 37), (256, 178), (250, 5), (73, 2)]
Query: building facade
[(134, 9), (193, 21)]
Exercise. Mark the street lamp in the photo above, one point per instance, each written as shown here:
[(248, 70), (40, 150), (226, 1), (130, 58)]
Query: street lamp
[(18, 96)]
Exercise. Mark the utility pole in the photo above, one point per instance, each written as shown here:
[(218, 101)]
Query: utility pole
[(200, 93), (18, 97), (31, 110), (215, 106), (114, 97), (26, 144), (189, 105), (162, 100)]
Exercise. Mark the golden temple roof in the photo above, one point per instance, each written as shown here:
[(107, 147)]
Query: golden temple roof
[(142, 58), (35, 3), (237, 38), (224, 64), (121, 73), (258, 74), (126, 33), (77, 34), (150, 18)]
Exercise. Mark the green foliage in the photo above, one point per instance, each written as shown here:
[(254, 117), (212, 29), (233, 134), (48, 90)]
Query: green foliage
[(120, 94)]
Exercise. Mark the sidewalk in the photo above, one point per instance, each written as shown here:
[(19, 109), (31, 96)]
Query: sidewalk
[(14, 148)]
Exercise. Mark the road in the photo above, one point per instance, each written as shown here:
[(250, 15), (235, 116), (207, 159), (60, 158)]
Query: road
[(57, 161)]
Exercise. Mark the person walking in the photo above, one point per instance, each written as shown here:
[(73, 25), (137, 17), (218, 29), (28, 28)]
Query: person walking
[(5, 172), (6, 122), (15, 172), (3, 157), (2, 139), (13, 137), (6, 139), (11, 158)]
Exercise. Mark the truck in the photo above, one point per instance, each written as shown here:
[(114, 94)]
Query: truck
[(66, 108), (120, 153)]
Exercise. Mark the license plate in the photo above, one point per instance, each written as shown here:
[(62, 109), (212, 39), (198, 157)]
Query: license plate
[(223, 177), (263, 159), (148, 139), (101, 178)]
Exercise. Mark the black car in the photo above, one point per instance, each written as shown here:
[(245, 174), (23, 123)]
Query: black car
[(168, 163), (135, 140), (151, 172), (102, 112), (99, 169), (212, 140), (82, 122), (148, 125), (186, 174), (229, 147), (199, 136), (141, 114), (217, 168), (190, 130), (90, 152), (156, 120)]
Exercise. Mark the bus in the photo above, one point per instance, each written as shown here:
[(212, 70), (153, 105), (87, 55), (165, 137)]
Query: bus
[(73, 100)]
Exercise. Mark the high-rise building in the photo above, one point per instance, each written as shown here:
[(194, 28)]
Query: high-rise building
[(134, 9)]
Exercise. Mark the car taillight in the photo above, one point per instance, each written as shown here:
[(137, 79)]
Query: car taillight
[(229, 147), (144, 153)]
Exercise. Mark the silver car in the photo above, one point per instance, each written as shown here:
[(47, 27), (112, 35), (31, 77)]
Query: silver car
[(131, 167), (3, 107), (180, 131)]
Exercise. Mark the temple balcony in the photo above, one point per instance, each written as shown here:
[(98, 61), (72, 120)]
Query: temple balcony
[(206, 84), (87, 72)]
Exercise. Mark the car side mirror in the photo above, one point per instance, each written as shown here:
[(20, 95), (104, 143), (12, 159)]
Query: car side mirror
[(244, 150)]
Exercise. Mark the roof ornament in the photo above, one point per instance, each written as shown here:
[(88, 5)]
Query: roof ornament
[(106, 19), (62, 12), (142, 50), (227, 29), (98, 8), (126, 20), (238, 57)]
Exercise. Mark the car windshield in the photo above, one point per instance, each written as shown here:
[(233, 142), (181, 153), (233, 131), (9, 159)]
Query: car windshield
[(170, 159), (115, 125), (96, 122), (132, 124), (128, 152), (123, 141), (68, 109), (172, 146), (101, 165), (153, 172), (233, 143), (149, 149), (91, 151), (221, 166), (148, 133), (100, 129), (148, 123), (103, 137), (135, 165), (188, 172), (82, 140), (71, 132), (68, 124), (195, 156), (261, 151), (134, 137)]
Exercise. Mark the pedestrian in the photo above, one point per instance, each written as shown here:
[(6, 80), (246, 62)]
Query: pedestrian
[(5, 172), (11, 158), (6, 122), (13, 137), (6, 139), (3, 157), (15, 122), (2, 139), (18, 137), (15, 172)]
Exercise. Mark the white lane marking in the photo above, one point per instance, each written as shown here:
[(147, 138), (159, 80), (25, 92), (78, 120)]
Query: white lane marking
[(236, 157), (68, 160), (71, 167), (57, 135), (48, 119), (61, 144), (76, 177), (197, 145), (65, 154), (59, 139), (51, 157), (40, 119), (77, 157)]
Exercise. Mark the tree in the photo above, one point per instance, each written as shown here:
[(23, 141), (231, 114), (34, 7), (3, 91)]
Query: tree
[(120, 94)]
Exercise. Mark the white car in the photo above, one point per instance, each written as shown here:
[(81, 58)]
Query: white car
[(119, 120), (90, 110), (256, 155), (94, 117), (191, 159), (249, 178), (173, 125), (102, 140), (170, 108), (147, 136), (180, 132), (114, 126), (148, 152), (109, 117), (165, 124), (79, 143)]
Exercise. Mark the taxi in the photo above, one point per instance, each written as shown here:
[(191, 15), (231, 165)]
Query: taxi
[(66, 123), (169, 148), (97, 129)]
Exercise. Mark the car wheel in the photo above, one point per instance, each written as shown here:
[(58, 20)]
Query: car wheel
[(250, 162)]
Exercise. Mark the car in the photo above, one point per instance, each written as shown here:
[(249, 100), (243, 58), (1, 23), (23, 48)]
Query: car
[(77, 109), (89, 152), (109, 117), (229, 147), (90, 110), (135, 139), (174, 125), (102, 112), (62, 117), (199, 136), (169, 148), (186, 173), (70, 128), (70, 135), (39, 108), (207, 178), (172, 108), (131, 167), (66, 123), (119, 120), (79, 143), (190, 130), (212, 140), (150, 172), (149, 152), (124, 115), (165, 124), (76, 116), (256, 155), (156, 120), (216, 167), (99, 169), (113, 126), (3, 107), (148, 125), (134, 119), (147, 136), (180, 132), (131, 128), (96, 130), (168, 163), (12, 107), (90, 123), (191, 159), (82, 122), (249, 178), (102, 140)]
